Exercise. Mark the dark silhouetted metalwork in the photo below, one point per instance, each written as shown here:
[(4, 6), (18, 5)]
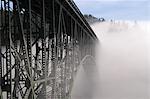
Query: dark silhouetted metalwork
[(41, 45)]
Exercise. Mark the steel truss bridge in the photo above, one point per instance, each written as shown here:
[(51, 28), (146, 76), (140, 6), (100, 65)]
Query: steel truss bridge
[(42, 44)]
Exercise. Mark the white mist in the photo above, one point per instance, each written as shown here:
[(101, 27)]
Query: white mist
[(123, 70)]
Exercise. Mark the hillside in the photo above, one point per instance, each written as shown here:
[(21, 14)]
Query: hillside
[(91, 19)]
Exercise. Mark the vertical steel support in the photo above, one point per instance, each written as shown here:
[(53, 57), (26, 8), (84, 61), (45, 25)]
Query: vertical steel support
[(59, 55), (44, 47), (16, 77), (9, 38), (0, 50), (29, 43), (74, 45), (26, 52), (72, 57), (64, 96), (7, 31), (59, 68), (53, 46), (0, 69)]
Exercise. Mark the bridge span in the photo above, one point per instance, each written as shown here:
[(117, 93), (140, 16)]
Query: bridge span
[(42, 43)]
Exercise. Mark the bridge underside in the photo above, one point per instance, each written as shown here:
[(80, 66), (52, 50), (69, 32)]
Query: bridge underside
[(42, 43)]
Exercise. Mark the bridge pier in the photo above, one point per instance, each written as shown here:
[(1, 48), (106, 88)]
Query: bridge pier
[(41, 45)]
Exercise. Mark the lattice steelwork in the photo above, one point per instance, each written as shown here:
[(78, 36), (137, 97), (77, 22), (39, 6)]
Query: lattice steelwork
[(42, 43)]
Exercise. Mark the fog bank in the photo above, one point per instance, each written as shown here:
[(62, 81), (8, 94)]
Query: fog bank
[(123, 66)]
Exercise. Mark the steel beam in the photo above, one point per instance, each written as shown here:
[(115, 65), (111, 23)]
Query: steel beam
[(45, 43)]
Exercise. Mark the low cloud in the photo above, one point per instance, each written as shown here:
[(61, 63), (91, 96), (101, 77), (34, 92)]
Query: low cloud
[(123, 63)]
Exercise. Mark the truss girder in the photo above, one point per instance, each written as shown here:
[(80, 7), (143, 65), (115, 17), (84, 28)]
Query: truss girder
[(42, 43)]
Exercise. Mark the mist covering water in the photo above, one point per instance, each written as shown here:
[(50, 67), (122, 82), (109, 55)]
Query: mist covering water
[(123, 66)]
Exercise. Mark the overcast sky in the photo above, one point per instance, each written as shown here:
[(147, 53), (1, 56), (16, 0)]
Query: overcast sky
[(116, 9)]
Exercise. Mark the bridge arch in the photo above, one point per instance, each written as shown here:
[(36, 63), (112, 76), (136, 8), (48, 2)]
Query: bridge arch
[(41, 45)]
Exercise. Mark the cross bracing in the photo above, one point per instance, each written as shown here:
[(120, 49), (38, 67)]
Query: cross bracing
[(42, 44)]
